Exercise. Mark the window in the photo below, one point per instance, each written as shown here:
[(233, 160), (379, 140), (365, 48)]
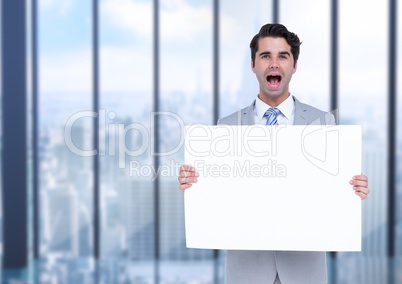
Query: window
[(126, 101), (239, 22), (311, 82), (168, 77), (65, 135), (186, 82), (363, 101)]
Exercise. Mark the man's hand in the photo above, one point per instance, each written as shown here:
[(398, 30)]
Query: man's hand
[(188, 175), (360, 186)]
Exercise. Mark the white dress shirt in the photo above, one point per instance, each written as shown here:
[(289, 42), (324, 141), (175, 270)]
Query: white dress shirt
[(287, 108)]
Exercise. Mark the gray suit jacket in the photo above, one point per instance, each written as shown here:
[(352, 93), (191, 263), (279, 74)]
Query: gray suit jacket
[(258, 267)]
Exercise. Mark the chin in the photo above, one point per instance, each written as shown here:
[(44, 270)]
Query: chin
[(273, 95)]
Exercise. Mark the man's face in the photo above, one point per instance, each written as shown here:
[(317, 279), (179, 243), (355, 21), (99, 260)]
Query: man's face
[(274, 67)]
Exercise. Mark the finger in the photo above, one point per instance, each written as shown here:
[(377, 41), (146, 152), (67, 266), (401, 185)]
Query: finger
[(363, 190), (185, 180), (361, 183), (188, 174), (187, 168), (361, 180), (361, 195), (185, 186), (360, 177)]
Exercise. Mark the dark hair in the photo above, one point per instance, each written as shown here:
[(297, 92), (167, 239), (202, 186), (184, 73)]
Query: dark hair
[(276, 30)]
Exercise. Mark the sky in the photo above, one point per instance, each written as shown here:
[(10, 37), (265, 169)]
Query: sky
[(126, 46)]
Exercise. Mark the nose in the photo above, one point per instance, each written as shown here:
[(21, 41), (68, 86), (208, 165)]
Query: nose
[(274, 64)]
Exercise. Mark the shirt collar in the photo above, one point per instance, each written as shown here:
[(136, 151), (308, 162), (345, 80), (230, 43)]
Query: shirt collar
[(286, 107)]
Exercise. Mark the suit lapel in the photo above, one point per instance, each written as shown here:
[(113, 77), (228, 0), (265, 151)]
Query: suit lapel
[(248, 115), (301, 114)]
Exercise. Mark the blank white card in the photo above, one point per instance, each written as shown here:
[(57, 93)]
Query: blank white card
[(273, 188)]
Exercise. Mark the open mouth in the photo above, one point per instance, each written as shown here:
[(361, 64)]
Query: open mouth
[(274, 80)]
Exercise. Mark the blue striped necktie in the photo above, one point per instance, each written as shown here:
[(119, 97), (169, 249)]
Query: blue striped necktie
[(272, 114)]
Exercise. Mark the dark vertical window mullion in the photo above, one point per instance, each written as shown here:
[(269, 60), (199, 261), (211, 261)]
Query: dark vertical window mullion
[(392, 118), (275, 11), (392, 104), (35, 130), (334, 57), (156, 139), (14, 122), (95, 101), (216, 60), (216, 101), (334, 95)]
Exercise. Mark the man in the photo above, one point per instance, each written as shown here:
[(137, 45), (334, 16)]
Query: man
[(274, 55)]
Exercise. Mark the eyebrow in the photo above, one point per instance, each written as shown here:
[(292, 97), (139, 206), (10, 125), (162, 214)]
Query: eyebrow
[(281, 53)]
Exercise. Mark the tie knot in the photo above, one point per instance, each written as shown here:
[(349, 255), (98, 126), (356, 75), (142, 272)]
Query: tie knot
[(272, 114)]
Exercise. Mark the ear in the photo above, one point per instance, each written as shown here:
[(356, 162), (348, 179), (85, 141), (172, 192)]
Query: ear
[(252, 65), (295, 67)]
